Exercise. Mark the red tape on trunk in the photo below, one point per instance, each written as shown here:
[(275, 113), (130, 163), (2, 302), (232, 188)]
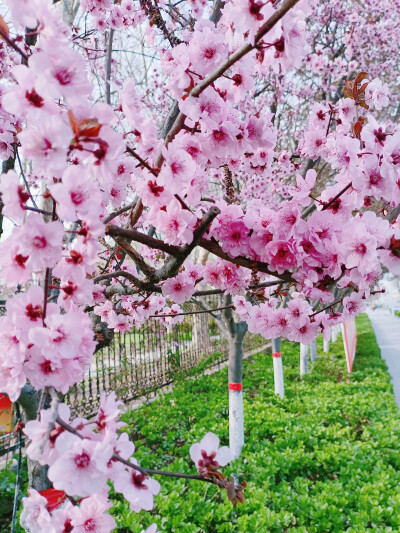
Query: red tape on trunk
[(235, 386), (276, 354)]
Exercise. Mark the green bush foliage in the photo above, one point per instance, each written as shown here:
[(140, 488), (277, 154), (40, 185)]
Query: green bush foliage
[(323, 459), (8, 478)]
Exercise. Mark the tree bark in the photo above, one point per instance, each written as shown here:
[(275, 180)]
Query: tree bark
[(29, 403)]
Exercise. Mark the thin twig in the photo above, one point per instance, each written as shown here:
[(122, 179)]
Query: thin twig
[(141, 469), (13, 45), (119, 212), (141, 161), (192, 312), (25, 180), (37, 210)]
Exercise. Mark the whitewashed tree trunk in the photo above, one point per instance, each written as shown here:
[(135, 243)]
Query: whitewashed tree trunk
[(236, 422), (334, 333), (234, 332), (303, 359), (278, 368), (313, 350), (236, 414), (326, 345)]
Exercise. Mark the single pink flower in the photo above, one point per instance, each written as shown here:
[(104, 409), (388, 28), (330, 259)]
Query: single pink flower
[(207, 455)]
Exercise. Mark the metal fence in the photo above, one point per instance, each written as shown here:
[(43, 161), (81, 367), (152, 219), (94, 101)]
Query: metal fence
[(138, 363), (146, 359)]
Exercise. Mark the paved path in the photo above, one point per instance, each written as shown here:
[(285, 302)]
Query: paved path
[(387, 332)]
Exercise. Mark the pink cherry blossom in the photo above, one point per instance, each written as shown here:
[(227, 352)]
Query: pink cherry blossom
[(77, 197), (13, 196), (91, 515), (41, 241), (176, 223), (178, 289), (81, 469), (137, 488), (207, 455), (35, 516), (281, 255), (47, 147)]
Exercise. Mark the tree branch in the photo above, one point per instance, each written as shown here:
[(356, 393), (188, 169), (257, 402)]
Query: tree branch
[(141, 469), (147, 270), (142, 285), (214, 248), (192, 312), (119, 212), (171, 267), (134, 235)]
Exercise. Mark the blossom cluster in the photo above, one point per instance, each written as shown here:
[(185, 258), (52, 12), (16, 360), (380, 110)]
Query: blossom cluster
[(109, 218), (80, 154), (83, 456)]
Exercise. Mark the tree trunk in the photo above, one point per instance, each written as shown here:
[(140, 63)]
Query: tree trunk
[(303, 359), (313, 350), (278, 369), (29, 402), (234, 332), (236, 414), (326, 346)]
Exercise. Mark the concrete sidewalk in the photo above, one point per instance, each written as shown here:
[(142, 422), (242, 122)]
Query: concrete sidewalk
[(387, 331)]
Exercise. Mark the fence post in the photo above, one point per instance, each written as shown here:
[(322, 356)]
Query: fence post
[(303, 359), (313, 350), (278, 369)]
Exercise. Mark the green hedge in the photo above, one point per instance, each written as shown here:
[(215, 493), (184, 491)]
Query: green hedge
[(325, 458)]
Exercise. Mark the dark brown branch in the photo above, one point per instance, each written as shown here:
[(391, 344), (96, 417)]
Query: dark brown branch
[(134, 235), (327, 307), (147, 270), (37, 210), (335, 198), (136, 213), (211, 246), (214, 248), (211, 292), (142, 285), (141, 161)]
